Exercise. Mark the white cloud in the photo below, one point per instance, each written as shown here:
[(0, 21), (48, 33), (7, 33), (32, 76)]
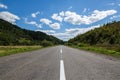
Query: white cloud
[(99, 15), (62, 36), (72, 32), (84, 10), (113, 17), (35, 14), (50, 24), (72, 18), (47, 31), (57, 17), (77, 31), (69, 33), (61, 13), (55, 26), (45, 21), (33, 23), (3, 6), (77, 19), (9, 17)]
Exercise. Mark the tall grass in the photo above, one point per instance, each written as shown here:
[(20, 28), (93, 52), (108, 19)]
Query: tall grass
[(8, 50), (102, 50)]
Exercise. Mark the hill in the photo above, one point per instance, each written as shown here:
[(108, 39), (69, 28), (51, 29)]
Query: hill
[(13, 35), (108, 34), (105, 40)]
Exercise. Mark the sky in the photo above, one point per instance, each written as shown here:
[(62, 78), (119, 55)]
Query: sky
[(63, 19)]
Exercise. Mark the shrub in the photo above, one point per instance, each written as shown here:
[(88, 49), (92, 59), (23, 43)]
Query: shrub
[(46, 43)]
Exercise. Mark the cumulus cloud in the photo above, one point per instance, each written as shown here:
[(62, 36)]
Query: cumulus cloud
[(77, 31), (74, 18), (45, 21), (77, 19), (61, 13), (9, 17), (57, 17), (3, 6), (55, 26), (34, 15), (33, 23), (50, 24), (99, 15), (72, 32)]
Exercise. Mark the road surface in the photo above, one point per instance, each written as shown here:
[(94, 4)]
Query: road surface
[(58, 63)]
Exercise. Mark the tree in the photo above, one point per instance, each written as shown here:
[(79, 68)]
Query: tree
[(46, 43)]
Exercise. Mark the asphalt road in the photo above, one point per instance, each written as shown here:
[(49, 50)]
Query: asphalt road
[(58, 63)]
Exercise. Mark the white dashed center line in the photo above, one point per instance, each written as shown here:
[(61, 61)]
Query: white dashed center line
[(61, 51), (62, 70)]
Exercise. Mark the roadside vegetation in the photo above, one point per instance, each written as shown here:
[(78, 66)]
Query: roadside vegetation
[(110, 51), (8, 50), (14, 39), (105, 40), (14, 35)]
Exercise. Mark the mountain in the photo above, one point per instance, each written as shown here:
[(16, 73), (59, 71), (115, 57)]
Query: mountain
[(13, 35), (108, 34)]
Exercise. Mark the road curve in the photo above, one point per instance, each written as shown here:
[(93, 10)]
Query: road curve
[(45, 64)]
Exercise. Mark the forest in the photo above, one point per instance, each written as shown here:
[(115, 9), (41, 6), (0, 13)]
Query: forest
[(105, 37), (13, 35)]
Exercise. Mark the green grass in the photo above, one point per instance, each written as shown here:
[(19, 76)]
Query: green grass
[(9, 50), (101, 50)]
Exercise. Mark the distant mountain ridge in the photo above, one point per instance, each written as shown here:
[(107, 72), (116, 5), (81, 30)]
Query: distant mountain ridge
[(108, 34), (13, 35)]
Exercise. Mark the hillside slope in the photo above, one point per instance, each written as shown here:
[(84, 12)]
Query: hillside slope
[(13, 35), (108, 34)]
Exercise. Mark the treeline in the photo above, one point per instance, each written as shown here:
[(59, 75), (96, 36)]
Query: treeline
[(13, 35), (106, 35)]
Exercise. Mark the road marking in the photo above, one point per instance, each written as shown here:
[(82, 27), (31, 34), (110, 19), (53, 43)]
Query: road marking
[(62, 70), (61, 51)]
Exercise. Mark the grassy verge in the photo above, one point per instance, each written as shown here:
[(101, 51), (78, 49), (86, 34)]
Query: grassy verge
[(8, 50), (100, 50)]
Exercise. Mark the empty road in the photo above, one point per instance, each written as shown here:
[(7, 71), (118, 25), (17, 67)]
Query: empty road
[(58, 63)]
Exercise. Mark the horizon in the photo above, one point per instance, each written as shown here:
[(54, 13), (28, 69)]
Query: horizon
[(62, 19)]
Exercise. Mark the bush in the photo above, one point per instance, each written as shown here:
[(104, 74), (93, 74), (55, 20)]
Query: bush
[(81, 45), (46, 43), (68, 44)]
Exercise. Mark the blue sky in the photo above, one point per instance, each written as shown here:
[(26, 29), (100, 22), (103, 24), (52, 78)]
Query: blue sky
[(61, 18)]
